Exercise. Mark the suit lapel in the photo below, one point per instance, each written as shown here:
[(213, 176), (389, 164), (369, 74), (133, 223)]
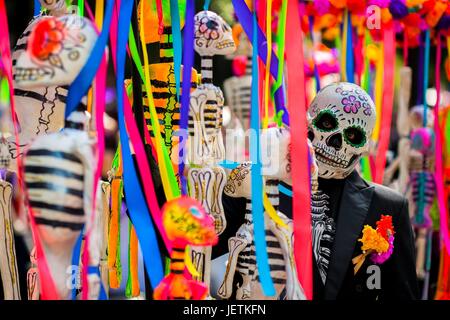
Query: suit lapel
[(354, 206)]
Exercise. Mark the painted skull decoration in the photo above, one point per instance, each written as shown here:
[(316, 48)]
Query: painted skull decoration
[(57, 49), (212, 35), (341, 119)]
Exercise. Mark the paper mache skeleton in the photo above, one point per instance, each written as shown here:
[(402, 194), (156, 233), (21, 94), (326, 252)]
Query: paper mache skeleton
[(205, 143), (237, 91), (58, 166), (186, 223), (275, 144), (8, 262), (45, 62), (162, 77), (415, 164)]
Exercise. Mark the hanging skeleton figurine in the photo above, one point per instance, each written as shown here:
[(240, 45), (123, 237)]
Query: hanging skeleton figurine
[(186, 223), (421, 188), (205, 144), (8, 262), (58, 167), (238, 88), (162, 77), (415, 164), (237, 91), (44, 70), (242, 260)]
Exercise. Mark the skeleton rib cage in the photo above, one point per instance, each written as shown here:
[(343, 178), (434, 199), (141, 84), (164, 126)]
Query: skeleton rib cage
[(246, 263), (54, 179), (162, 78)]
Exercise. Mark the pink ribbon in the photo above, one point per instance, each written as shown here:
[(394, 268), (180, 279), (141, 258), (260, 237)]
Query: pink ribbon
[(48, 288), (439, 173), (300, 171), (388, 101)]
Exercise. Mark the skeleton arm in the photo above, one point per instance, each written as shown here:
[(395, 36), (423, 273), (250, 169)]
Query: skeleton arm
[(235, 246)]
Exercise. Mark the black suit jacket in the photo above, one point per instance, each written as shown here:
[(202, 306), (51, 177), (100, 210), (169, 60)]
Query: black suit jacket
[(363, 203)]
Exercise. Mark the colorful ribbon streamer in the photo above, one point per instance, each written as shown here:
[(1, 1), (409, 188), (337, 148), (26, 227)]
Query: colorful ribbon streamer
[(439, 173), (37, 8), (300, 172), (135, 199), (47, 286), (262, 258), (176, 32), (188, 61), (245, 18), (388, 101), (83, 81)]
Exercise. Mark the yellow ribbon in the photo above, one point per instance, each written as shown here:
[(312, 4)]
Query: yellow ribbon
[(359, 260), (378, 94), (99, 5), (272, 212), (167, 173), (344, 49), (265, 122)]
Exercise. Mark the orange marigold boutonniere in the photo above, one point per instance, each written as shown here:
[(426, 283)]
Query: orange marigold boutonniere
[(379, 243)]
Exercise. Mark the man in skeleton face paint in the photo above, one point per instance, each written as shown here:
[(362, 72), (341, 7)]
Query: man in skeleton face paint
[(341, 119)]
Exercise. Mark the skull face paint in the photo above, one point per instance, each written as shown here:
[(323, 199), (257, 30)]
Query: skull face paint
[(341, 119), (212, 35)]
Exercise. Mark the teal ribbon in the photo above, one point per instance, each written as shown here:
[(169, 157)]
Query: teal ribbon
[(206, 5), (176, 33), (262, 258)]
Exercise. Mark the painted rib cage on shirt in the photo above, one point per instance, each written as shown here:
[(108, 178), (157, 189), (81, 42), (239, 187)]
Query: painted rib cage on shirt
[(323, 232)]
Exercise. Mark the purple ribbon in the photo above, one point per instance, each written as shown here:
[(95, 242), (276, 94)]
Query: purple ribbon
[(244, 16), (188, 61)]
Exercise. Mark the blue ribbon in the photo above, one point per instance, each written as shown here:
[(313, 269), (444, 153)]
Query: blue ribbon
[(188, 61), (206, 5), (76, 259), (262, 258), (83, 81), (285, 190), (96, 270), (350, 70), (176, 32), (245, 18), (228, 164), (136, 204), (37, 8)]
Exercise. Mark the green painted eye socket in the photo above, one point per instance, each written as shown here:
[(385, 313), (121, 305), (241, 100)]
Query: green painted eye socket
[(325, 121), (355, 136)]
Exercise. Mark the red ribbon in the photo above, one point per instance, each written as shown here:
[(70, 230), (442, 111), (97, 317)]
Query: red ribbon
[(439, 173), (388, 101), (48, 288), (300, 171)]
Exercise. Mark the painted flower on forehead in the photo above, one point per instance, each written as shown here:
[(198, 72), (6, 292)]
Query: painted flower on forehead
[(47, 38), (351, 104)]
